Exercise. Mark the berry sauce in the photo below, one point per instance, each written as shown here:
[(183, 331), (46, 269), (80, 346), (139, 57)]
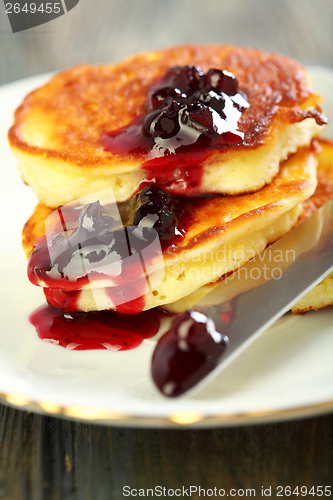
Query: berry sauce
[(95, 330), (112, 243), (69, 256), (188, 352), (189, 114)]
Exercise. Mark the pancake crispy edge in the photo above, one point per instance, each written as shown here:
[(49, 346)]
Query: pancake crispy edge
[(322, 294), (58, 127)]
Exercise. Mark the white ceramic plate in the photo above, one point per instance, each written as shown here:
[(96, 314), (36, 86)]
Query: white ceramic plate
[(288, 372)]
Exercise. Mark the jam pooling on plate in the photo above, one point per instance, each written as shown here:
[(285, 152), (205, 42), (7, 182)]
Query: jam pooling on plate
[(95, 330), (190, 113), (91, 234), (184, 355), (95, 242), (188, 352)]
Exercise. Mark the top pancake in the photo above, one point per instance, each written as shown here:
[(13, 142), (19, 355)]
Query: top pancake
[(58, 127)]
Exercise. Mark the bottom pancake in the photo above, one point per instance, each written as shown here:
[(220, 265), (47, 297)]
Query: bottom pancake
[(222, 233), (322, 294), (174, 283)]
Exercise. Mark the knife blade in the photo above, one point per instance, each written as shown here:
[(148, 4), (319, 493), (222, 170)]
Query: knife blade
[(252, 308), (252, 299)]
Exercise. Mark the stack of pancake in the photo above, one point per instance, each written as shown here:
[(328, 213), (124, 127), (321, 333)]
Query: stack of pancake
[(249, 195)]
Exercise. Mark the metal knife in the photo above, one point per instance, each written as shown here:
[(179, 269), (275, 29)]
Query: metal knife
[(253, 298), (306, 252)]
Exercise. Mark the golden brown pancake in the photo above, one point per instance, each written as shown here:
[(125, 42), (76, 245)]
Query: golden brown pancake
[(321, 295), (224, 233), (58, 128)]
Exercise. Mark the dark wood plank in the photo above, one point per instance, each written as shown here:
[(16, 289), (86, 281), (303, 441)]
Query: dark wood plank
[(54, 459)]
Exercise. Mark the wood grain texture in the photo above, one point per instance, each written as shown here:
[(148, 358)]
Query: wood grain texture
[(53, 459)]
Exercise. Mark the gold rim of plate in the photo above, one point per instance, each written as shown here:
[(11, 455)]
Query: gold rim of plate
[(183, 418)]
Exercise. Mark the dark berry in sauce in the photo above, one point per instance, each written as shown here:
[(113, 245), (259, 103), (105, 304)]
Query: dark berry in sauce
[(188, 352), (189, 113), (154, 208), (96, 242)]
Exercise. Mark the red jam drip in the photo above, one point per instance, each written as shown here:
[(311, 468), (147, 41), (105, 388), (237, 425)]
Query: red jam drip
[(63, 300), (95, 330), (188, 352), (190, 113), (184, 181), (93, 243)]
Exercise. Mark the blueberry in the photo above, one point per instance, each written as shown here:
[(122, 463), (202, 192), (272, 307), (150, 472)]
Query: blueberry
[(222, 81), (163, 123), (153, 214), (185, 78), (164, 96), (189, 99), (210, 98), (154, 192), (152, 209)]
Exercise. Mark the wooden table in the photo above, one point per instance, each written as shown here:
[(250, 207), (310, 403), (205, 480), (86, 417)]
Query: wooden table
[(42, 457)]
